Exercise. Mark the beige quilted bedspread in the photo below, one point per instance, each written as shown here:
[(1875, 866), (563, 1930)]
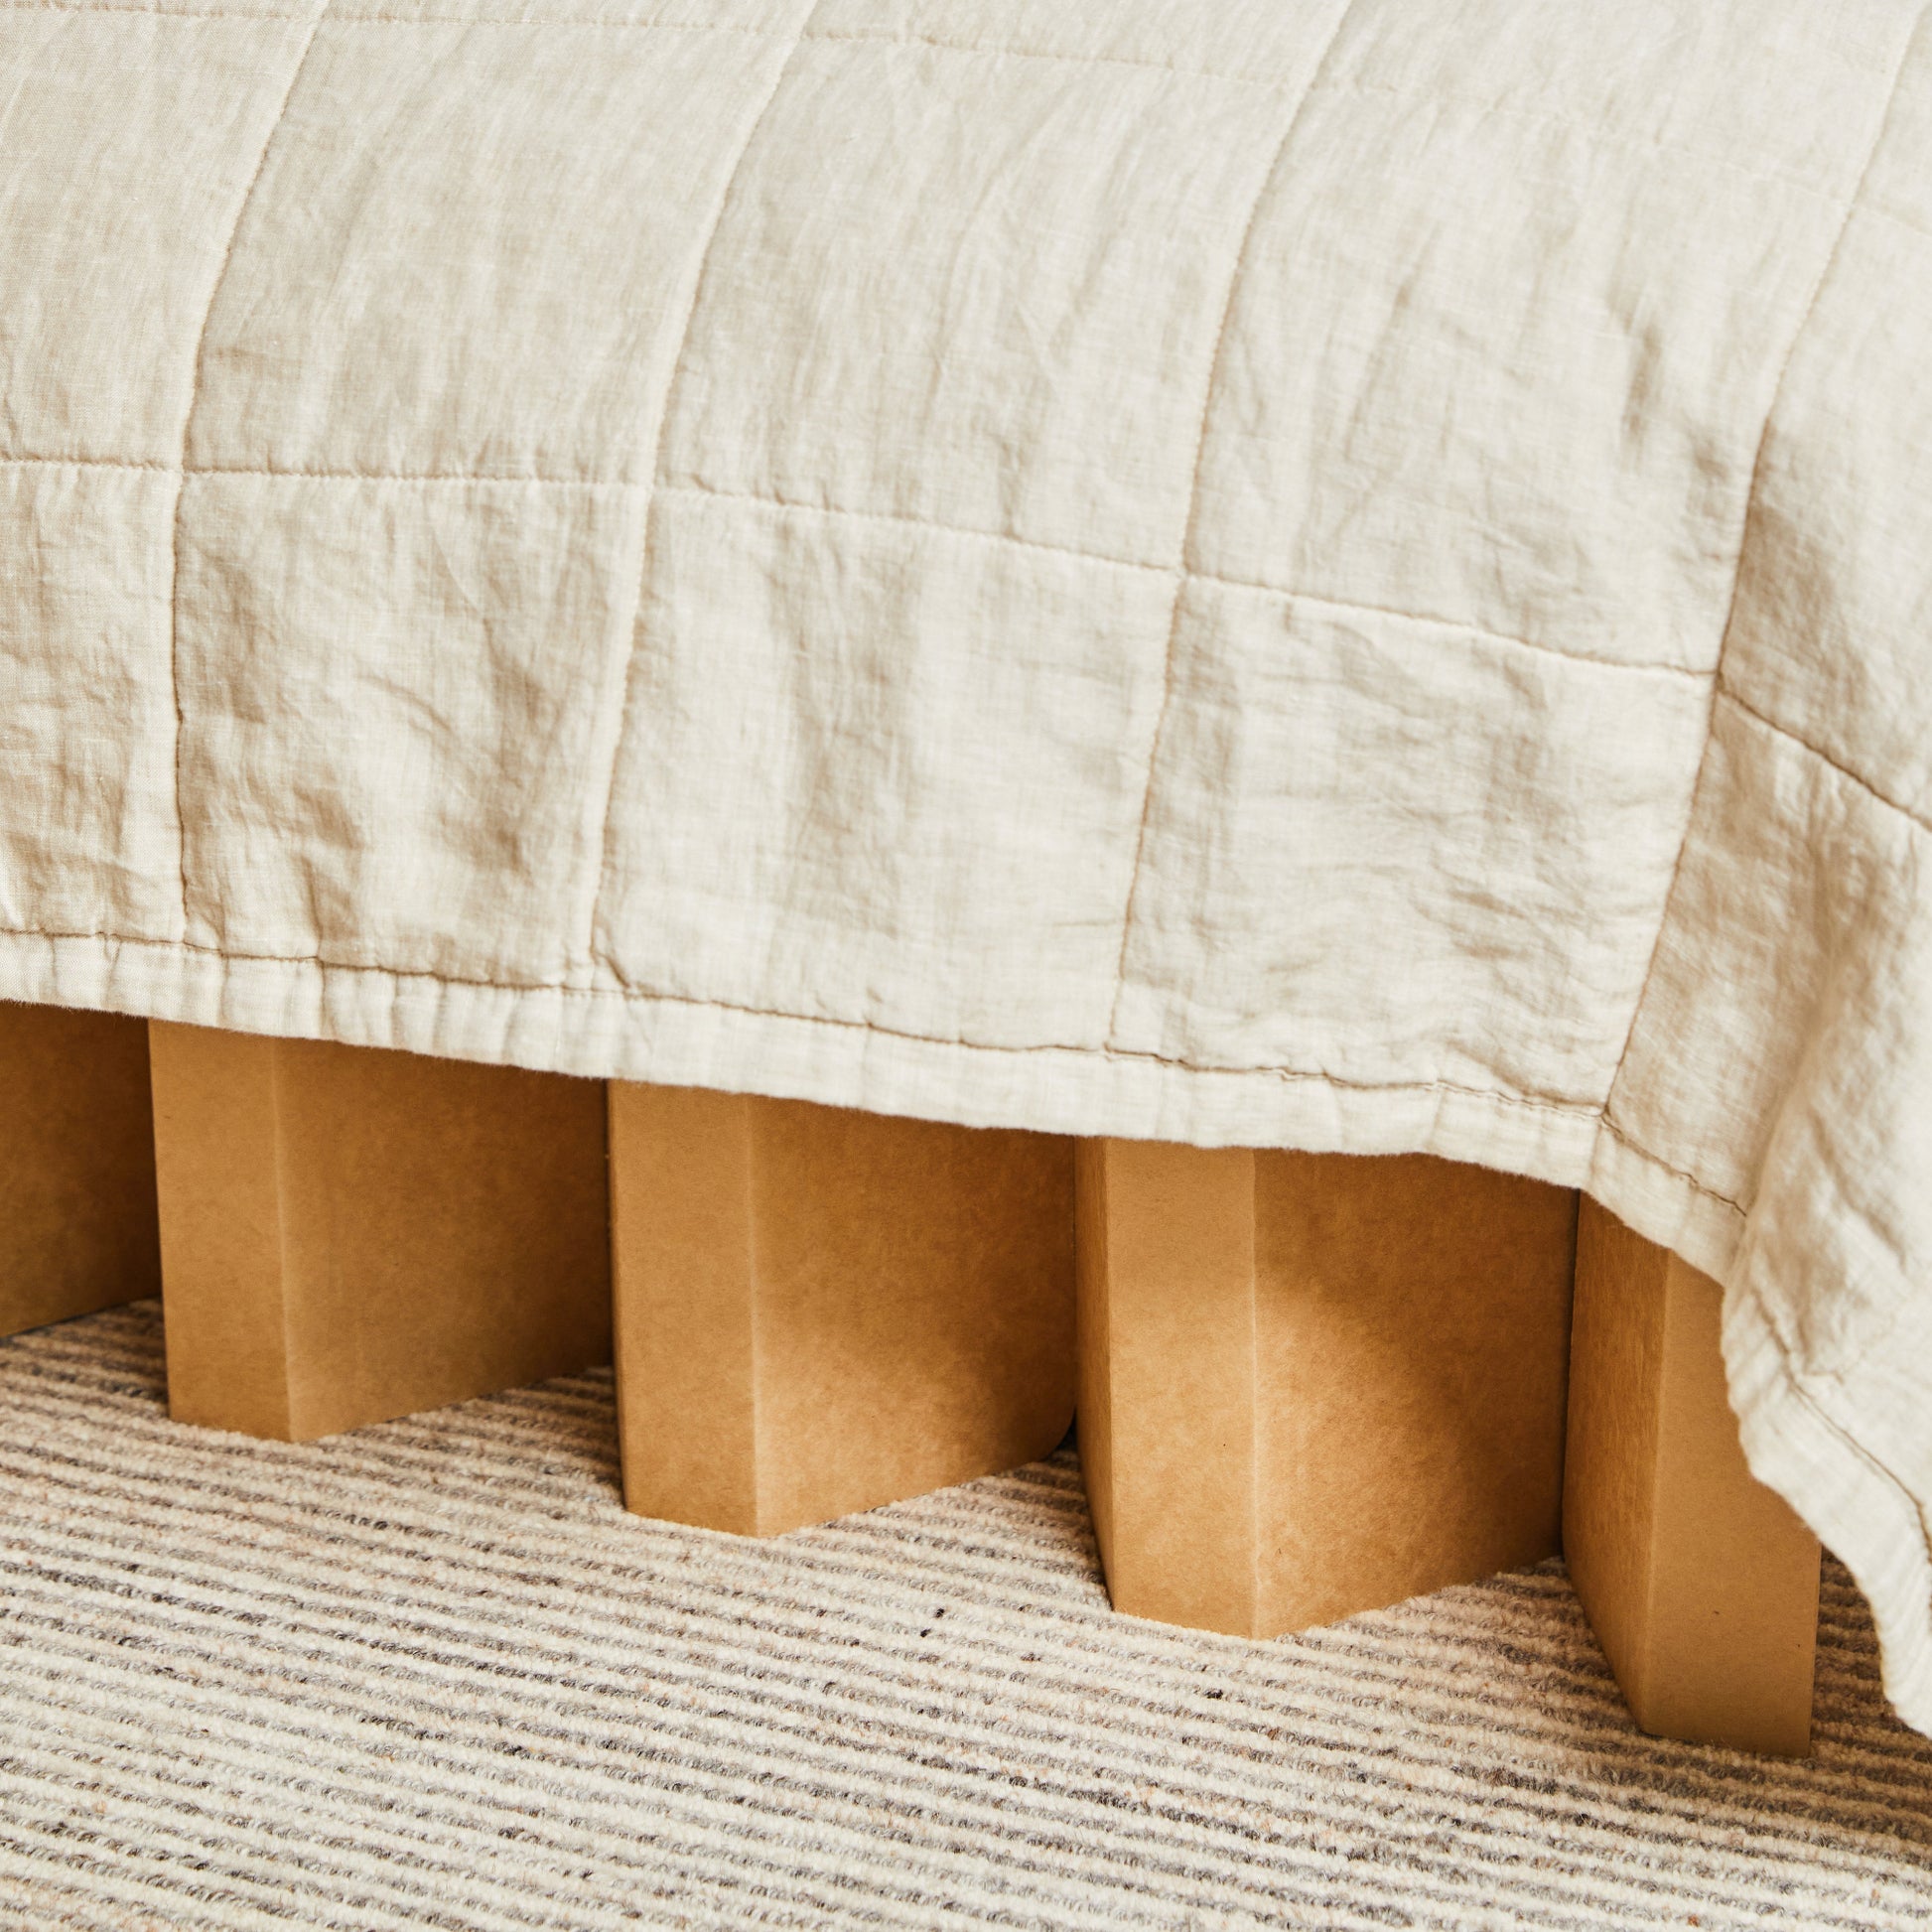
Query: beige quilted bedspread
[(1353, 576)]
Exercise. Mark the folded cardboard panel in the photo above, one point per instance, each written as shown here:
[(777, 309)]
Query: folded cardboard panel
[(1312, 1384), (819, 1310), (1702, 1583), (350, 1234), (77, 1229)]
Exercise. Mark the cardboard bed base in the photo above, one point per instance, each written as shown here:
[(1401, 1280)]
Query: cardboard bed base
[(1308, 1384), (77, 1229), (816, 1310), (819, 1310), (1316, 1384), (348, 1234), (1700, 1584)]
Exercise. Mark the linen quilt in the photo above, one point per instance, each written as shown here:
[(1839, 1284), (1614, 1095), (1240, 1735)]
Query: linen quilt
[(1344, 574)]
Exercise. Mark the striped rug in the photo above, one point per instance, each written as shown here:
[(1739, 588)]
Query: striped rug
[(431, 1675)]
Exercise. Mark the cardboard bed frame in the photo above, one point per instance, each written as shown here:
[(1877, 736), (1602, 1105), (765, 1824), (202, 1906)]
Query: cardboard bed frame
[(1307, 1385)]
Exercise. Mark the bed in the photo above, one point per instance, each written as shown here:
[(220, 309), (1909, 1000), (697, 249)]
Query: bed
[(1348, 576)]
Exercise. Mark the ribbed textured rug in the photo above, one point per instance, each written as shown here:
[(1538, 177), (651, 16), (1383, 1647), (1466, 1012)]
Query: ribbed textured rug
[(432, 1675)]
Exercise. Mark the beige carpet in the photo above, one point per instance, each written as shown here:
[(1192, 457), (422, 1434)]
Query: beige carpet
[(432, 1675)]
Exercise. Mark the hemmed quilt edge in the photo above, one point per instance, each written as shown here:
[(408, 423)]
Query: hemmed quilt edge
[(1864, 1515)]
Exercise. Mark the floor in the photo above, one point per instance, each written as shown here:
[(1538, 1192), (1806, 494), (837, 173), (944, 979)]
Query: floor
[(431, 1675)]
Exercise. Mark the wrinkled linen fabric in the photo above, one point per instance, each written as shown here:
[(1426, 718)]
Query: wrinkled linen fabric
[(1342, 575)]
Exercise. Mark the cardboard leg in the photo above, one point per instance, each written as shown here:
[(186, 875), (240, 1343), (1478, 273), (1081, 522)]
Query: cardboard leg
[(76, 1165), (820, 1311), (1701, 1584), (350, 1234), (1314, 1384)]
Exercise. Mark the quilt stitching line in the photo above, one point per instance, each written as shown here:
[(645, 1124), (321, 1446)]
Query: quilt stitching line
[(600, 848), (1624, 1138), (933, 525), (266, 16), (187, 424), (1048, 53), (1192, 515), (1729, 693), (1744, 536), (14, 461), (602, 23), (906, 519), (1653, 667), (1897, 220), (297, 474), (532, 478), (1185, 572)]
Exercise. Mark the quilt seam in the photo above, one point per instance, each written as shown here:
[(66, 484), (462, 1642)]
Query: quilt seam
[(499, 478), (1624, 1138), (599, 850), (1731, 695), (1046, 54), (1185, 572), (186, 428), (764, 499), (527, 20), (266, 17), (1718, 685), (1193, 514)]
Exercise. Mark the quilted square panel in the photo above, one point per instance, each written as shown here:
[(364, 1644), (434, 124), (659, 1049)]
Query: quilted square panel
[(975, 290), (1493, 825), (1835, 601), (127, 143), (859, 753), (87, 837), (472, 249), (1513, 315), (1782, 1036), (393, 704)]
